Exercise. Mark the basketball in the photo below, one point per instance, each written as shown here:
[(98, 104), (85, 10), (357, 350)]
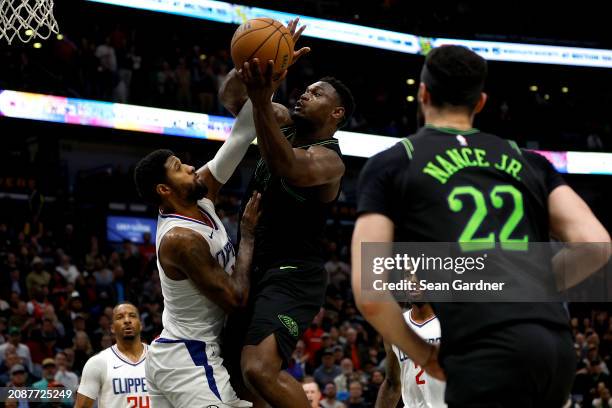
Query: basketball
[(263, 38)]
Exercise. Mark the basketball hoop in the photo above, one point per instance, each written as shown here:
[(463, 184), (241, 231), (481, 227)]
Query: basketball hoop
[(27, 19)]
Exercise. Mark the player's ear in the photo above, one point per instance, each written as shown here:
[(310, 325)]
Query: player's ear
[(338, 113), (423, 94), (163, 190), (481, 102)]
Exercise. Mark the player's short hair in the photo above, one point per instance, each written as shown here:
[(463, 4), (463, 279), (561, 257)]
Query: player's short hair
[(346, 98), (125, 303), (454, 76), (149, 172)]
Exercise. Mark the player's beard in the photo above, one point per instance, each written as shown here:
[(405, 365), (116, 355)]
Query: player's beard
[(198, 191), (129, 337)]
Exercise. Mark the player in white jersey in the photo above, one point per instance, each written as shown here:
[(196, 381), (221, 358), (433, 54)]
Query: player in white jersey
[(115, 377), (403, 377), (201, 277)]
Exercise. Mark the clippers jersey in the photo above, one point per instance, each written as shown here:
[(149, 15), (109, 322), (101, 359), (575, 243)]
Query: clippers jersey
[(114, 381), (419, 390), (188, 314)]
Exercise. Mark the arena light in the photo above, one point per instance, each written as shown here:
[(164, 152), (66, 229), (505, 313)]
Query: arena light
[(74, 111), (410, 98), (410, 81), (533, 88), (230, 13), (37, 45), (60, 37), (564, 89)]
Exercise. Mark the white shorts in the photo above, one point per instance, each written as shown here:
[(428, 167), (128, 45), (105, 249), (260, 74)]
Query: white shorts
[(188, 374)]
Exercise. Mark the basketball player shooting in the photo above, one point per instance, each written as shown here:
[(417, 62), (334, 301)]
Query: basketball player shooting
[(115, 377), (299, 176), (201, 277)]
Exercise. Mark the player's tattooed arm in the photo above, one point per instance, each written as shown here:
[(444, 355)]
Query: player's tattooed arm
[(187, 253), (390, 390)]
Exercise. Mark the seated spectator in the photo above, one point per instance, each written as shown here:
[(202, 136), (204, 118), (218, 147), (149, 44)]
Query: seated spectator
[(356, 396), (330, 400), (19, 377), (22, 350), (38, 276), (297, 364), (313, 392), (67, 270), (48, 374), (63, 375), (345, 378), (327, 371), (371, 391), (604, 400)]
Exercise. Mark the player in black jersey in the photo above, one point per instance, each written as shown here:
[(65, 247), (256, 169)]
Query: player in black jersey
[(299, 177), (492, 354)]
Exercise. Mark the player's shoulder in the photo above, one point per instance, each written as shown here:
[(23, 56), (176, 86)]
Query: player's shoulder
[(396, 155)]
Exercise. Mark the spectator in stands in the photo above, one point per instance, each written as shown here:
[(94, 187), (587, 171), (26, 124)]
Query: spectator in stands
[(312, 338), (327, 371), (372, 387), (604, 400), (82, 350), (326, 343), (17, 282), (21, 349), (297, 365), (63, 375), (19, 377), (330, 400), (147, 248), (68, 271), (313, 392), (343, 380), (356, 396), (48, 374), (38, 276), (354, 349)]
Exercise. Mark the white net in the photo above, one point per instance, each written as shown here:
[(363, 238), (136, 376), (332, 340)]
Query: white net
[(26, 19)]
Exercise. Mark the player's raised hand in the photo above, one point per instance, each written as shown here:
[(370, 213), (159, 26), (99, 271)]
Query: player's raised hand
[(257, 78), (250, 216), (296, 34)]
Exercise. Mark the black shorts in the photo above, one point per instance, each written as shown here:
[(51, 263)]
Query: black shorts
[(524, 365), (283, 301)]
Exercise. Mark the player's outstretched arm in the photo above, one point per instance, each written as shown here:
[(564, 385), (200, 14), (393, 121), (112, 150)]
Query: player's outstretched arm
[(573, 222), (218, 171), (390, 390), (187, 252), (383, 313)]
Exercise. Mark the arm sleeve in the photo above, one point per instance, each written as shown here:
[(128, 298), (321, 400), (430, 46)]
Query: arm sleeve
[(375, 188), (552, 178), (229, 156), (93, 377)]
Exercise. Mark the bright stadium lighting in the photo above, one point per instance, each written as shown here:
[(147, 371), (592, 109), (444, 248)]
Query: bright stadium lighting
[(410, 81), (37, 45), (547, 97), (565, 89), (29, 33), (60, 37), (410, 98), (533, 88)]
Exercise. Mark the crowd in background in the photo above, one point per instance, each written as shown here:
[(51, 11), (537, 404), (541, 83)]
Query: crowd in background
[(58, 288), (121, 55)]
